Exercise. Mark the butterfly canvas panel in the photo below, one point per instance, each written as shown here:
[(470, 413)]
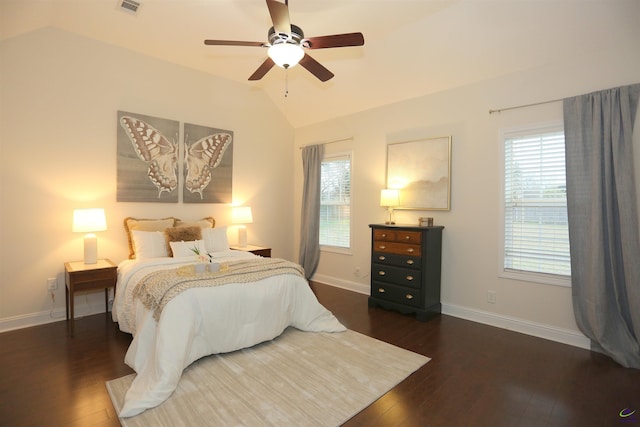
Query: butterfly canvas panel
[(208, 164), (147, 158)]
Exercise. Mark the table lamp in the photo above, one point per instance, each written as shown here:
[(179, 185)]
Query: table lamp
[(241, 215), (89, 221), (389, 198)]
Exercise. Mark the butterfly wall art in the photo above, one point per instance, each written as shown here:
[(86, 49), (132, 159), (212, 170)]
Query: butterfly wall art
[(208, 164), (149, 161), (147, 158)]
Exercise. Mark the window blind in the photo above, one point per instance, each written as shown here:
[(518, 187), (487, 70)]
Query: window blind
[(335, 201), (536, 237)]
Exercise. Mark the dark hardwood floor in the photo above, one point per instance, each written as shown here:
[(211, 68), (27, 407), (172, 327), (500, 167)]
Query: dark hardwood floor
[(478, 375)]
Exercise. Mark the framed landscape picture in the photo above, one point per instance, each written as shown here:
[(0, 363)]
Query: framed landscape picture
[(421, 170)]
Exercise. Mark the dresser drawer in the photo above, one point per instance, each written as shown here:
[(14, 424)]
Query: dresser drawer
[(94, 284), (397, 275), (398, 236), (79, 277), (397, 248), (399, 294), (384, 235), (395, 259), (409, 236)]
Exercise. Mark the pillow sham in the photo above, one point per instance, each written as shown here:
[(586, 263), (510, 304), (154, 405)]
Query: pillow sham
[(149, 244), (184, 249), (215, 239), (131, 224), (179, 234)]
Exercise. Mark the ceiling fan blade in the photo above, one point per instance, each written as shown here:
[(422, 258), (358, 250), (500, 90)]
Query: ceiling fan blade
[(279, 16), (232, 43), (262, 69), (315, 68), (337, 40)]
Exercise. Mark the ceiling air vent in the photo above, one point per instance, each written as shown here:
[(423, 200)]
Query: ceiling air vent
[(130, 5)]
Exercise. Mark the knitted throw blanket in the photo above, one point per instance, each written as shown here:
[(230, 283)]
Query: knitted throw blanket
[(156, 289)]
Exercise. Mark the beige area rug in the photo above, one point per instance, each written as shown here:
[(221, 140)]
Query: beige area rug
[(298, 379)]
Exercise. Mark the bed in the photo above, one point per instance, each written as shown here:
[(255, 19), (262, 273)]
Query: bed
[(235, 305)]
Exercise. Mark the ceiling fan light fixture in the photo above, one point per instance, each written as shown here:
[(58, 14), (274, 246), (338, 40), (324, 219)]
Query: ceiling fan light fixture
[(286, 55)]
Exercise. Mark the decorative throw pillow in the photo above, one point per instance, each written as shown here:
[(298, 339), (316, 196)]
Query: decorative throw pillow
[(131, 224), (149, 244), (182, 234), (215, 239), (208, 222), (187, 249)]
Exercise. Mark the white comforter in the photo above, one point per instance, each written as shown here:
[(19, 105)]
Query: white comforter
[(204, 321)]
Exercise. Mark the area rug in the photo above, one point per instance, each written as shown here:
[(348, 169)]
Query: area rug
[(298, 379)]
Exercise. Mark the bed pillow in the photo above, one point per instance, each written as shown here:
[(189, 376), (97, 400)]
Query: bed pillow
[(215, 239), (149, 244), (182, 234), (131, 224), (184, 249)]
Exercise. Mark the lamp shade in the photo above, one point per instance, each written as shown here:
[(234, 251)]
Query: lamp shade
[(241, 215), (389, 197), (89, 220), (285, 55)]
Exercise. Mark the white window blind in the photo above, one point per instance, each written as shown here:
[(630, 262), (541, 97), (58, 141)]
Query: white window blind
[(536, 237), (335, 201)]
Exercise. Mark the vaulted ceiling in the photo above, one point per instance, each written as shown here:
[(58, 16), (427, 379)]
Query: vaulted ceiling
[(412, 47)]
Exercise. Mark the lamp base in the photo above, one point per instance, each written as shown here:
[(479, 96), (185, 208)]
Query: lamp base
[(90, 249), (391, 220), (242, 236)]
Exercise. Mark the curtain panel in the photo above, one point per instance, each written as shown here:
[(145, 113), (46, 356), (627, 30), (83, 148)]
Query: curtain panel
[(309, 256), (603, 220)]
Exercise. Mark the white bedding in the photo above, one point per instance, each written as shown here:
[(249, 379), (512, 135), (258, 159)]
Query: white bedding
[(204, 321)]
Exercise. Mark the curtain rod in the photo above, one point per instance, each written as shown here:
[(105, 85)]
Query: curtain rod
[(523, 106), (328, 142)]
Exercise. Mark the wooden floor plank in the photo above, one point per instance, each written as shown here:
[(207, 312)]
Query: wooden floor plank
[(478, 376)]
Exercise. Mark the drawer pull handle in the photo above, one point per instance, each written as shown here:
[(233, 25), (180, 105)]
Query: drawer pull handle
[(381, 273), (410, 261), (383, 247), (410, 250), (407, 237), (382, 257), (409, 278), (381, 290), (408, 296), (384, 235)]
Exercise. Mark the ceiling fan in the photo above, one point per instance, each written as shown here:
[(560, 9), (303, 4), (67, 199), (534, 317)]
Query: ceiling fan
[(287, 43)]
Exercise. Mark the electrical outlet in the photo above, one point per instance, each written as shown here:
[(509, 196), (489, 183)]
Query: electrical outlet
[(491, 297), (52, 284)]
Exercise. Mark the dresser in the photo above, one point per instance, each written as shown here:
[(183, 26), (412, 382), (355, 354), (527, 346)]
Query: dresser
[(405, 268)]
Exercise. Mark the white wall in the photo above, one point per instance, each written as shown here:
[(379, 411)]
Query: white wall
[(471, 239), (60, 94)]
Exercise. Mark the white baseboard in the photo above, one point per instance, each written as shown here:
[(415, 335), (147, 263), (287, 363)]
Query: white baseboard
[(540, 330), (552, 333), (44, 317), (343, 284)]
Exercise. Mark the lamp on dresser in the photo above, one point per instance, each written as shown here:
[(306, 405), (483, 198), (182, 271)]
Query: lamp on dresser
[(241, 215), (89, 221), (390, 198)]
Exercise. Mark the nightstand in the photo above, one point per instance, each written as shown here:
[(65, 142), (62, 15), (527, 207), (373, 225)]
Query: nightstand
[(81, 277), (257, 250)]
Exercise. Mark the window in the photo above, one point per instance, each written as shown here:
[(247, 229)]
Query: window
[(335, 201), (536, 235)]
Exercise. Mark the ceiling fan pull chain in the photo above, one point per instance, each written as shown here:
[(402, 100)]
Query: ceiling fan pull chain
[(286, 82)]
